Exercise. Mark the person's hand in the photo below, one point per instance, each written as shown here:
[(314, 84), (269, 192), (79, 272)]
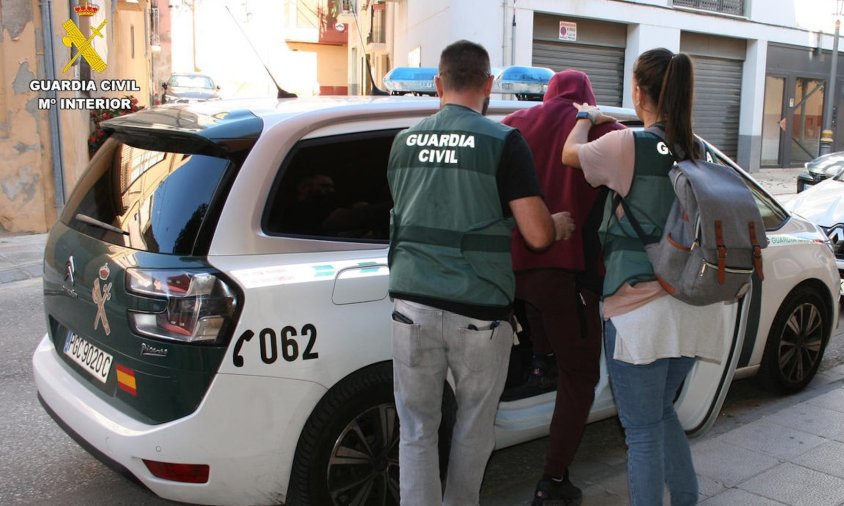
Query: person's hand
[(563, 225), (596, 115)]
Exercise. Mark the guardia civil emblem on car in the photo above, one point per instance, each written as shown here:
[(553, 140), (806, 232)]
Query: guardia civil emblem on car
[(100, 294)]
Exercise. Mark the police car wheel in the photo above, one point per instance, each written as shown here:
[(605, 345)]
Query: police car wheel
[(348, 452), (796, 342)]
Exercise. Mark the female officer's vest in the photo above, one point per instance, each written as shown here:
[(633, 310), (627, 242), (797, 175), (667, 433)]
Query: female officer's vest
[(650, 199), (449, 239)]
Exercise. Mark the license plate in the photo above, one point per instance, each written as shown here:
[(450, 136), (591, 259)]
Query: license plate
[(89, 357)]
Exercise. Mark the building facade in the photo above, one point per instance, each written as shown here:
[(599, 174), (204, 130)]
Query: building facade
[(762, 66), (250, 46)]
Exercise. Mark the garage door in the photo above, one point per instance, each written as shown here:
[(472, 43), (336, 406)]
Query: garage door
[(718, 101), (603, 65)]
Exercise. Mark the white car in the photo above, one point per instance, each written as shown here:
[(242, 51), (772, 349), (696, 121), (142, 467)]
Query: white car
[(823, 204), (219, 325)]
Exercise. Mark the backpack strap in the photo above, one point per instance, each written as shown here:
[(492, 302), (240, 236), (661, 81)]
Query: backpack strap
[(619, 200)]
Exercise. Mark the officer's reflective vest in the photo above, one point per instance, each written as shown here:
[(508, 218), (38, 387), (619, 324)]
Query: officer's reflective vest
[(449, 239), (650, 199)]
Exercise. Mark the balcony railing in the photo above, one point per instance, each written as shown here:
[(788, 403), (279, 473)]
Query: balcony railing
[(732, 7)]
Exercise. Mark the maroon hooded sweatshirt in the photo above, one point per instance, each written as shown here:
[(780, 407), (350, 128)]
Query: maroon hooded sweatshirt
[(546, 127)]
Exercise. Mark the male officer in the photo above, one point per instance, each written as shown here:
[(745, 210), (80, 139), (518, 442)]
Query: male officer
[(457, 179)]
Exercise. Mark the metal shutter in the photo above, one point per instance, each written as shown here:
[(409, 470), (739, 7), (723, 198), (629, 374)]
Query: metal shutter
[(718, 101), (603, 65)]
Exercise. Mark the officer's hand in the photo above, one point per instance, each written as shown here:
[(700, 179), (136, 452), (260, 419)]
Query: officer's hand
[(563, 225), (596, 115)]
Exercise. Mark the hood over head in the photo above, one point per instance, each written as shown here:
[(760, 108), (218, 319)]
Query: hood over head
[(572, 85), (545, 127)]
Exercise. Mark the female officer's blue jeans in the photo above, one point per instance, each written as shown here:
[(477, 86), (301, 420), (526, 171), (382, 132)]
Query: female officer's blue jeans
[(657, 449)]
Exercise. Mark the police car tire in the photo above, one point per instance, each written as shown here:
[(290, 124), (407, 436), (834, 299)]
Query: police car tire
[(799, 304), (351, 397)]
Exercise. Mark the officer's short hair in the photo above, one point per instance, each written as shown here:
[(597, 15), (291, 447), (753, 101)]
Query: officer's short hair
[(464, 65)]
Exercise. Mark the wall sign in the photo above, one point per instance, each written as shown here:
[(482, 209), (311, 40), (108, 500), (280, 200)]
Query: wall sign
[(568, 31)]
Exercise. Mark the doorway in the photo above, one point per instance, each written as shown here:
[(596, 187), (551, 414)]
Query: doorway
[(793, 120), (773, 121), (806, 120)]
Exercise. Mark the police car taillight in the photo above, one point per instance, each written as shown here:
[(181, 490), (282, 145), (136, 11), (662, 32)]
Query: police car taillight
[(197, 306)]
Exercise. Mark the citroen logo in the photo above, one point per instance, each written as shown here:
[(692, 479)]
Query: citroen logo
[(69, 279), (836, 235)]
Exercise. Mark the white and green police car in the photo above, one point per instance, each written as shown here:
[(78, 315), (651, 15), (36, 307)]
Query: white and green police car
[(218, 317)]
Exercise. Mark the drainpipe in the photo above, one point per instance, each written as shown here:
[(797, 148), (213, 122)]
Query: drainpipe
[(827, 135), (508, 44), (53, 114), (504, 34), (513, 37)]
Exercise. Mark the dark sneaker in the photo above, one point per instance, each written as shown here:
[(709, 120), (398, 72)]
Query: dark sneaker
[(556, 493)]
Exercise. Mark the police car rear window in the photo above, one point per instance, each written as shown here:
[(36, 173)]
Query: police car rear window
[(144, 199)]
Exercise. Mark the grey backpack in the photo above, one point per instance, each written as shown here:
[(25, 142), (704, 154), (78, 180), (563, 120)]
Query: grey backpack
[(713, 238)]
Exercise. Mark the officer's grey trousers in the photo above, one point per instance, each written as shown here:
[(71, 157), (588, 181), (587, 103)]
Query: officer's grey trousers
[(423, 352)]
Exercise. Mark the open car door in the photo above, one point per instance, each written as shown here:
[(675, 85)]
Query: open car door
[(704, 390)]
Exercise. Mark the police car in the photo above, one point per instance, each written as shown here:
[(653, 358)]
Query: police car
[(218, 317)]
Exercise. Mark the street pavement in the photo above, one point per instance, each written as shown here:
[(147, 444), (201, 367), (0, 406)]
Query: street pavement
[(792, 455)]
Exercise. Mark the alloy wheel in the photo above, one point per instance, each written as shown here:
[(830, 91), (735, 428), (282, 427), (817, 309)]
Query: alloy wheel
[(801, 343), (363, 468)]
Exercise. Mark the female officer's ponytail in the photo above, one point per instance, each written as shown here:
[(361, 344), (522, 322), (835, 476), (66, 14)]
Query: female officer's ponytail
[(668, 79)]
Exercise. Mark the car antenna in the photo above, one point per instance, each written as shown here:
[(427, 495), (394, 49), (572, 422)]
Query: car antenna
[(375, 89), (282, 93)]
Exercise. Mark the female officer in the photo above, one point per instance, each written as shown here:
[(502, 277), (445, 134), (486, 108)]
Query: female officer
[(651, 339)]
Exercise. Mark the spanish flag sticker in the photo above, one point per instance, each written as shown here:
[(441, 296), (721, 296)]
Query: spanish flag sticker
[(126, 380)]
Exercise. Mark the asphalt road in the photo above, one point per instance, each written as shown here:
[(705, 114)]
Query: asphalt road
[(40, 464)]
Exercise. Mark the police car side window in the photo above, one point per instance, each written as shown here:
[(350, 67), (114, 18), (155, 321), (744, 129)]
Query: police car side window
[(333, 188), (773, 215)]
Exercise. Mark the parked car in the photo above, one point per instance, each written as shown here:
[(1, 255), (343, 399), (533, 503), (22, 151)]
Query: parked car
[(189, 88), (218, 320), (819, 169), (823, 204)]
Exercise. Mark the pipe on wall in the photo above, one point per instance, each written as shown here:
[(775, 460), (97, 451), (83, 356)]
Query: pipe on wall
[(53, 115)]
